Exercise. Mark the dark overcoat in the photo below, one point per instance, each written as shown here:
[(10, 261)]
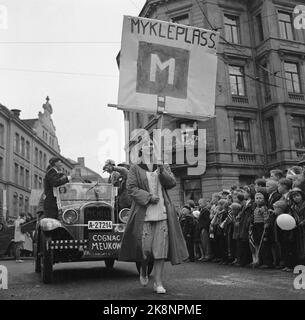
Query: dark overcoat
[(138, 189), (53, 179)]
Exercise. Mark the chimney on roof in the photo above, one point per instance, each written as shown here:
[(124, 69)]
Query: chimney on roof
[(16, 112), (81, 161)]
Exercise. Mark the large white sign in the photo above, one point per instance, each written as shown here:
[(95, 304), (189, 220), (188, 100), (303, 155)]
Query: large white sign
[(167, 62)]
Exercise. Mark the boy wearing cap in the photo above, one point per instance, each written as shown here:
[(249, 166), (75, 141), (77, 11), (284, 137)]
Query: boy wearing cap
[(53, 178)]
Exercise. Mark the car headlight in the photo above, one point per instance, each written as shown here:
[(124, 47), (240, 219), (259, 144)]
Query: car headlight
[(70, 216), (124, 215)]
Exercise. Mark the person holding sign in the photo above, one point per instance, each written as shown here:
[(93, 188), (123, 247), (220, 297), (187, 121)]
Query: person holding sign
[(153, 229)]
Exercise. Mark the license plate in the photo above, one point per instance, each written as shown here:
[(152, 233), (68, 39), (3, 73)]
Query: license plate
[(99, 225)]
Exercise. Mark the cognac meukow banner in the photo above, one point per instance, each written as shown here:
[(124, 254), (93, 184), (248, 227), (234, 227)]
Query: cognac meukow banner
[(167, 62)]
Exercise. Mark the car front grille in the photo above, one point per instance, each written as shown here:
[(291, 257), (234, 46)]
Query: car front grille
[(93, 213)]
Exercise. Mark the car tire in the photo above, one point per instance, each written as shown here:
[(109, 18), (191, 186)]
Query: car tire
[(150, 267), (37, 262), (109, 263), (46, 261)]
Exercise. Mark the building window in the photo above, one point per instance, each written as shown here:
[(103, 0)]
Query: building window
[(44, 161), (16, 173), (40, 159), (17, 143), (245, 180), (35, 181), (272, 134), (39, 183), (1, 168), (260, 29), (292, 77), (237, 80), (28, 150), (27, 179), (21, 204), (15, 204), (285, 23), (232, 28), (1, 134), (26, 204), (298, 126), (242, 135), (189, 132), (182, 19), (22, 176), (22, 146), (36, 156), (266, 85), (192, 190)]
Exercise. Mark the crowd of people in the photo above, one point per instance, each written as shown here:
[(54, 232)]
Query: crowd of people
[(239, 226)]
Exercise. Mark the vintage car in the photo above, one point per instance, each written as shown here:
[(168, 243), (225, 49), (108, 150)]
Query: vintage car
[(88, 228)]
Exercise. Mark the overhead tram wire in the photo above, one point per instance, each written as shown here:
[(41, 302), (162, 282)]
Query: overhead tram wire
[(60, 72), (61, 42)]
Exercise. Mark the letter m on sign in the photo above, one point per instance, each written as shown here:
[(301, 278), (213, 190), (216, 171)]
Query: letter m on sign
[(155, 62), (162, 70)]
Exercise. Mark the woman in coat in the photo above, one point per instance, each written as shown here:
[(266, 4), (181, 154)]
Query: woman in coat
[(153, 228)]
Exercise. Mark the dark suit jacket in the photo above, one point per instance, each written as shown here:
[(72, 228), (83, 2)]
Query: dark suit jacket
[(271, 200), (52, 179)]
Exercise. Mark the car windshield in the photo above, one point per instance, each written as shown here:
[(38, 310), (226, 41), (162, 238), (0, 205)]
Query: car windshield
[(71, 193)]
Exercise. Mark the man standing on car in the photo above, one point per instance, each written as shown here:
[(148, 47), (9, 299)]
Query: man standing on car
[(19, 237), (54, 178), (118, 177)]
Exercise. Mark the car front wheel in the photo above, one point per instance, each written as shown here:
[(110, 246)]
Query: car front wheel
[(46, 260)]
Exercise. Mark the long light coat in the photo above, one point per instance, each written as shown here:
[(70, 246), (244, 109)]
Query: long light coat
[(138, 189)]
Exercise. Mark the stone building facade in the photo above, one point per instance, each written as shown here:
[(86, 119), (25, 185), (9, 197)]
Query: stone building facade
[(260, 102), (26, 147), (84, 174)]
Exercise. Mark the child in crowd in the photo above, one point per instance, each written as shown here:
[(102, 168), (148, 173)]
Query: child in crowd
[(233, 235), (298, 212), (276, 174), (204, 225), (245, 217), (259, 221), (273, 196), (217, 233), (187, 222), (286, 239)]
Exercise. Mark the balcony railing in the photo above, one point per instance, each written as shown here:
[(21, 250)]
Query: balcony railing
[(296, 96), (246, 157), (240, 99)]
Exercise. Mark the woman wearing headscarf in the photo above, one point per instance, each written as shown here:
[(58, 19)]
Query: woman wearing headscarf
[(153, 228)]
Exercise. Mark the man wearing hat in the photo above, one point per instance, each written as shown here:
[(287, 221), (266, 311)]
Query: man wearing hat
[(53, 178)]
